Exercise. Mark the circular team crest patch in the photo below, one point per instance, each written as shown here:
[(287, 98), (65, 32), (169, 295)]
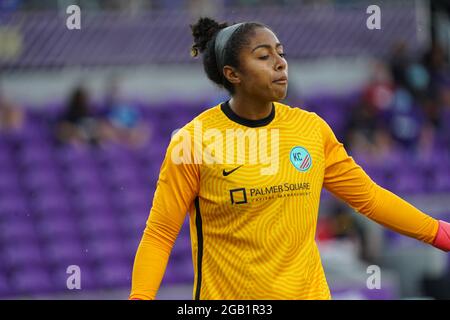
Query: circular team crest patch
[(300, 159)]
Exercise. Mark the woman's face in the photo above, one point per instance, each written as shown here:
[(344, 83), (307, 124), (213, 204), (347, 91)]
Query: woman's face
[(263, 70)]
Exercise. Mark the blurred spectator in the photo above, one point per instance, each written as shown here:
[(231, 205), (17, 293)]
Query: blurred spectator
[(11, 116), (340, 224), (360, 128), (432, 111), (344, 224), (379, 93), (444, 115), (404, 105), (366, 124), (435, 62), (407, 73), (405, 118), (399, 63), (78, 125), (122, 123)]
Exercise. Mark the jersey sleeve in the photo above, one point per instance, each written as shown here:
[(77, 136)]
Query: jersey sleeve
[(176, 189), (347, 180)]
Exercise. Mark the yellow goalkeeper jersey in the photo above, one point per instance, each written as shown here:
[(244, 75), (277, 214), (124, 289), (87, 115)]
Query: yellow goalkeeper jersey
[(252, 190)]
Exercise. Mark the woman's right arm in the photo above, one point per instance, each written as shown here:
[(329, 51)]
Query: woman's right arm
[(176, 189)]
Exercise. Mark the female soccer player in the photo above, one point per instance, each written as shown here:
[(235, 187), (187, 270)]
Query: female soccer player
[(253, 205)]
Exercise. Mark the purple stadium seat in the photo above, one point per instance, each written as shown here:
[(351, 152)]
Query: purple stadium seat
[(135, 212), (87, 200), (21, 254), (42, 180), (179, 271), (114, 273), (70, 155), (51, 203), (6, 158), (65, 252), (13, 204), (5, 289), (152, 168), (131, 243), (430, 160), (57, 228), (132, 199), (35, 156), (112, 154), (126, 160), (133, 224), (76, 164), (99, 223), (9, 179), (105, 247), (378, 176), (17, 230), (83, 178), (148, 155), (91, 187), (442, 178), (181, 249), (31, 280), (186, 270), (407, 181), (124, 175)]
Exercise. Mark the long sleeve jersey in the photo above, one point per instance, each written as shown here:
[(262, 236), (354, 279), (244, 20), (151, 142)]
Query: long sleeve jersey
[(252, 191)]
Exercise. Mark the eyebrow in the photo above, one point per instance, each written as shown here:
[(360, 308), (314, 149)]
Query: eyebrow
[(266, 46)]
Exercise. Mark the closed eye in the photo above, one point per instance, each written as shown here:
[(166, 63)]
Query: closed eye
[(283, 55)]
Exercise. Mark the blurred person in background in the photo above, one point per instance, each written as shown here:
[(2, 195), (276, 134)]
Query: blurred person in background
[(437, 66), (436, 106), (122, 123), (257, 247), (366, 131), (408, 109), (78, 125), (12, 117), (340, 224), (444, 113), (408, 73), (405, 118), (417, 117)]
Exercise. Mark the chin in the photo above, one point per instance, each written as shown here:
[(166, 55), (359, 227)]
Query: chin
[(279, 97)]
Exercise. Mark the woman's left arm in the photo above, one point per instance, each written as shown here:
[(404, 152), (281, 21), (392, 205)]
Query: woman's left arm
[(348, 181)]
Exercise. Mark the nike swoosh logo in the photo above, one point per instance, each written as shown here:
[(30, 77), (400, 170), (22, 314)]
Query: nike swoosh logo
[(226, 173)]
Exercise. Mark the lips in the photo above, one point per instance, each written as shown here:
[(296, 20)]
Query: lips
[(281, 80)]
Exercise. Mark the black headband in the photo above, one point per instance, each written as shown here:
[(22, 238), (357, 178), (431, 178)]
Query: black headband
[(221, 41)]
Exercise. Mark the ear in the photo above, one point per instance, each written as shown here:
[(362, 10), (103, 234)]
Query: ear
[(231, 74)]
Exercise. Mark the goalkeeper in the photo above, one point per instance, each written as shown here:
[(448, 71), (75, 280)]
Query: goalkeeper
[(253, 224)]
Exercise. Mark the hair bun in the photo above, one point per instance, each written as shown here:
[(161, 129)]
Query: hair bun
[(203, 31)]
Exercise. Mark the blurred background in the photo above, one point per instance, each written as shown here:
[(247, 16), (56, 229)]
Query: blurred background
[(86, 116)]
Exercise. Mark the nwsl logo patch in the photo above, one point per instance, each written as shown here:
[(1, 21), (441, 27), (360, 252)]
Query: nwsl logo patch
[(300, 159)]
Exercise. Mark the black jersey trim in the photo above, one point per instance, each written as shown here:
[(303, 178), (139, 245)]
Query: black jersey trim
[(226, 109), (198, 223)]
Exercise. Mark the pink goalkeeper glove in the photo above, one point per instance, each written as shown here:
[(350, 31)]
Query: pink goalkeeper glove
[(442, 240)]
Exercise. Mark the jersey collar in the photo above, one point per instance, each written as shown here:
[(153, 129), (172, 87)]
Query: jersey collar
[(226, 109)]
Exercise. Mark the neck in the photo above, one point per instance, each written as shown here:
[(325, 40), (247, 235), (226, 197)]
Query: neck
[(250, 108)]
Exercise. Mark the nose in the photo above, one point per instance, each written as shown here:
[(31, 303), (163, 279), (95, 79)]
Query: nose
[(280, 64)]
